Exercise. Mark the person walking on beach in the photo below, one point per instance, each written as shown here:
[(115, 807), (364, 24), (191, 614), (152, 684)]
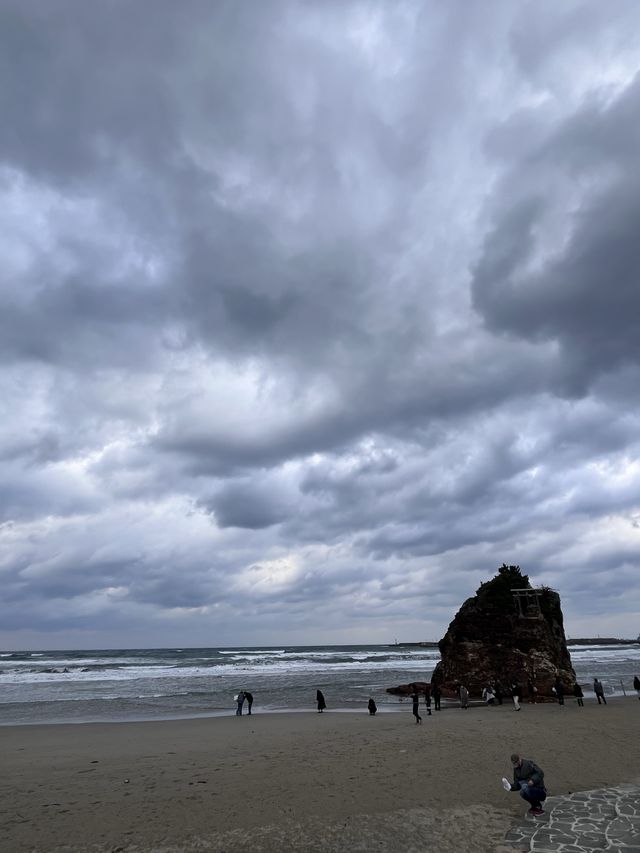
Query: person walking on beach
[(320, 700), (249, 697), (636, 685), (598, 689), (463, 693), (528, 779), (240, 701), (372, 707), (577, 692), (558, 689), (515, 695), (416, 713), (435, 692)]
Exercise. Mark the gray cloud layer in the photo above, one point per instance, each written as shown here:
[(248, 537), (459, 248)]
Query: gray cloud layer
[(312, 315)]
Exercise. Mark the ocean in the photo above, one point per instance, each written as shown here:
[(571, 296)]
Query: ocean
[(145, 684)]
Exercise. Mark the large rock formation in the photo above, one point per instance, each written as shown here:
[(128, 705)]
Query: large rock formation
[(407, 689), (508, 631)]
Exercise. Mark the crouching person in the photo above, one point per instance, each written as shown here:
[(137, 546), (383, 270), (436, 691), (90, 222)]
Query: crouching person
[(528, 779)]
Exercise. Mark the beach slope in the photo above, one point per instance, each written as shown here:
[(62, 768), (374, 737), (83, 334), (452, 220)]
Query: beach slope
[(301, 781)]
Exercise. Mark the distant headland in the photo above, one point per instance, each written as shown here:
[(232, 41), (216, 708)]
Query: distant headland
[(572, 641), (600, 641)]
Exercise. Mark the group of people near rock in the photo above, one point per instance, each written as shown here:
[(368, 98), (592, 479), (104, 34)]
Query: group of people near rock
[(494, 692), (491, 694)]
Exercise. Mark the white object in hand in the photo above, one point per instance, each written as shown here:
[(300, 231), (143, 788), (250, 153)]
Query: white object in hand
[(506, 784)]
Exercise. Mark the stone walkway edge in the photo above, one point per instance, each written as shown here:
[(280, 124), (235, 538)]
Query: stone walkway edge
[(584, 822)]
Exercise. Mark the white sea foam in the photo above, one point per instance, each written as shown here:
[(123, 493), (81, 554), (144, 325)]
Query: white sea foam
[(244, 652), (237, 670), (605, 653)]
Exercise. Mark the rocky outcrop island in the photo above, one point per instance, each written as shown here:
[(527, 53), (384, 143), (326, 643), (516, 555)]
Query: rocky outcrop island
[(507, 632)]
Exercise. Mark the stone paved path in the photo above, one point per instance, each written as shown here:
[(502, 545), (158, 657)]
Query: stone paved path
[(589, 821)]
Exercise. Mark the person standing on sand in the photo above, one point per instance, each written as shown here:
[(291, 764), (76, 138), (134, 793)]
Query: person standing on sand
[(463, 693), (320, 700), (249, 697), (528, 779), (240, 701), (372, 707), (598, 689), (499, 692), (636, 685), (558, 689), (533, 691), (577, 692), (427, 699), (416, 713), (515, 695), (435, 692)]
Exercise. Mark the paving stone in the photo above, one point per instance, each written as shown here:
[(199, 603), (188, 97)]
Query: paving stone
[(620, 826), (628, 806), (550, 835), (584, 822)]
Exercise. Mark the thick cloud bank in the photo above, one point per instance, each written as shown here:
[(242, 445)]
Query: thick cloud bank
[(313, 314)]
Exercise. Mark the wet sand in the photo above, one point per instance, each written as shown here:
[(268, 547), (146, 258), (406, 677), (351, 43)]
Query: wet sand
[(300, 782)]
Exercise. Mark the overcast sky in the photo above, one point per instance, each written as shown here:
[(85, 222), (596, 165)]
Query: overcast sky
[(313, 314)]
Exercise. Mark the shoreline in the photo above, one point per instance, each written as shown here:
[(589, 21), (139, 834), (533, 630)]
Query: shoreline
[(223, 783), (399, 707)]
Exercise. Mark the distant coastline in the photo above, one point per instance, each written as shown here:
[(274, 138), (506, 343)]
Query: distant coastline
[(600, 641), (573, 641)]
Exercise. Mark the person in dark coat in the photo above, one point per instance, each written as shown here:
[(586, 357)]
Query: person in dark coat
[(577, 692), (240, 701), (515, 695), (416, 700), (533, 691), (598, 689), (499, 692), (528, 779), (249, 697), (558, 690), (320, 700), (427, 700), (636, 685), (435, 692), (372, 707)]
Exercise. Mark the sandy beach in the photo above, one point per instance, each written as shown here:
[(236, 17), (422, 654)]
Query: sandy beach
[(300, 781)]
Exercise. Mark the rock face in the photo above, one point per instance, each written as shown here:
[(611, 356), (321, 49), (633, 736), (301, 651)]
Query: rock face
[(407, 689), (507, 632)]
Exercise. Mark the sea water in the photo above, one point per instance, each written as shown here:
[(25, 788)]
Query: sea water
[(145, 684)]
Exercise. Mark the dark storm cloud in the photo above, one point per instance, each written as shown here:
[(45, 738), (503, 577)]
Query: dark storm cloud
[(315, 312), (247, 504), (585, 296)]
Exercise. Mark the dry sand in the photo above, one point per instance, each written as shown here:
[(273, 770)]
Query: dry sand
[(300, 782)]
